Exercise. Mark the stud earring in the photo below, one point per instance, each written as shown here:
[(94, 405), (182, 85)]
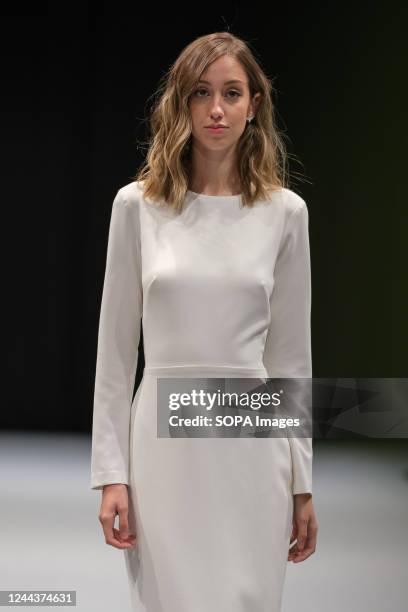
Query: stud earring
[(249, 119)]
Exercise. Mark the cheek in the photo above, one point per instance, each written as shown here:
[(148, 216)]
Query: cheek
[(239, 121), (194, 125), (195, 109), (238, 114)]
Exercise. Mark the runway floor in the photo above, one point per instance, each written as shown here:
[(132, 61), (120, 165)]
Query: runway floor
[(51, 538)]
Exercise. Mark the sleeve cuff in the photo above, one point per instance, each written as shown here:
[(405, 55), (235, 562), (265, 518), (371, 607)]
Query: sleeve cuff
[(100, 479)]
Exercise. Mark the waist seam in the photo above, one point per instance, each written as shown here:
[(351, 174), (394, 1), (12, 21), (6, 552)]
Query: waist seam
[(205, 368)]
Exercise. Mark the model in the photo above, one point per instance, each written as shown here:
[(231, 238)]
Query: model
[(209, 250)]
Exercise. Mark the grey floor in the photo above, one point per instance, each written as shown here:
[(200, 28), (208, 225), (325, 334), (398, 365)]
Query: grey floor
[(51, 538)]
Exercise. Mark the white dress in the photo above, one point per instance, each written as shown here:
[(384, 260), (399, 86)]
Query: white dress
[(222, 290)]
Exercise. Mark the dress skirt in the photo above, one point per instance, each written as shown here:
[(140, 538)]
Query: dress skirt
[(212, 516)]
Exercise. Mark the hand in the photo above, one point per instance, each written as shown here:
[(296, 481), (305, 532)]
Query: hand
[(115, 501), (304, 529)]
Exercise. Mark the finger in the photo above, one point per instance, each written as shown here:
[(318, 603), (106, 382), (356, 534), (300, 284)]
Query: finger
[(129, 543), (123, 522), (130, 537), (302, 534), (292, 541), (116, 542), (310, 540), (107, 520), (293, 552), (293, 534), (303, 554), (308, 549)]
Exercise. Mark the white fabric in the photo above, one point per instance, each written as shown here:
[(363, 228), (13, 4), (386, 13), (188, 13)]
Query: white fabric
[(223, 291)]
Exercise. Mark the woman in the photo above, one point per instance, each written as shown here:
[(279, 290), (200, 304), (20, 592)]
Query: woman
[(210, 249)]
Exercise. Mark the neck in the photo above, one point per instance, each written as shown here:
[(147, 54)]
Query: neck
[(214, 172)]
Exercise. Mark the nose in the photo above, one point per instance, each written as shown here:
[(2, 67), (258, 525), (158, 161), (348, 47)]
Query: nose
[(216, 109)]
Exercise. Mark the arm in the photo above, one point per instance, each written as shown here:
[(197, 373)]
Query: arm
[(117, 352), (288, 344)]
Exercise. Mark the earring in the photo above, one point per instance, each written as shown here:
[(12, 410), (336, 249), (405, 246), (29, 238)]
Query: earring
[(249, 119)]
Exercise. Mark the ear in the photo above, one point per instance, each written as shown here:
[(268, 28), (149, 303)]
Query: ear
[(253, 106)]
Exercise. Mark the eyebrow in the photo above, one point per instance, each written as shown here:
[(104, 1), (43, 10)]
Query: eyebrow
[(226, 82)]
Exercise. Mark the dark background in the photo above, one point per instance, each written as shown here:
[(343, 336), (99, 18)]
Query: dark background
[(77, 78)]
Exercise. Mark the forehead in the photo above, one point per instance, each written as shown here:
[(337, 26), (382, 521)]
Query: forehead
[(224, 70)]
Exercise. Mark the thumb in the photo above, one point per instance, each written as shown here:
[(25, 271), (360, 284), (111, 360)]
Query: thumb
[(294, 533), (123, 525), (301, 538)]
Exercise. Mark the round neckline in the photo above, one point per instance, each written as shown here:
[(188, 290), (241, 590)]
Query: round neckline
[(214, 197)]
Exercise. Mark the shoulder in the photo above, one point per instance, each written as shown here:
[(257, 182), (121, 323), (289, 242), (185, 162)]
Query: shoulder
[(294, 210), (292, 202), (132, 196), (129, 195), (291, 211), (287, 209), (126, 207), (286, 203)]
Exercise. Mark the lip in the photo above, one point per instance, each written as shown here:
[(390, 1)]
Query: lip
[(219, 128)]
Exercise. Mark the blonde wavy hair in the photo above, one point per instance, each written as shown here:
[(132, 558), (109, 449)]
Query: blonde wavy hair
[(261, 153)]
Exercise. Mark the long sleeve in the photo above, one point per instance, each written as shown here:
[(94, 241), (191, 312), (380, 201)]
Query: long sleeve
[(117, 349), (288, 344)]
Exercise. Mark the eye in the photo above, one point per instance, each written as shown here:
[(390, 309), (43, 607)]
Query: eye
[(199, 90), (233, 91)]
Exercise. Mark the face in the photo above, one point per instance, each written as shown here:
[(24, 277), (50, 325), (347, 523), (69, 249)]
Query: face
[(222, 97)]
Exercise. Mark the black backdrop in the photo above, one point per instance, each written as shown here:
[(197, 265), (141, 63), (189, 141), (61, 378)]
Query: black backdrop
[(76, 82)]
